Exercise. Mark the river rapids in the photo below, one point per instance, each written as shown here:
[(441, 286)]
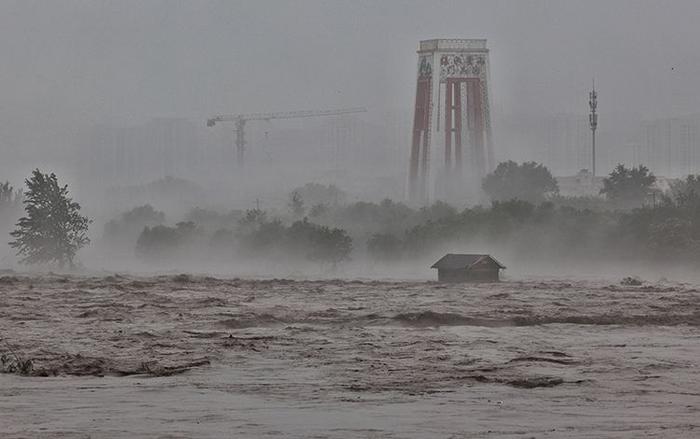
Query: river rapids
[(201, 357)]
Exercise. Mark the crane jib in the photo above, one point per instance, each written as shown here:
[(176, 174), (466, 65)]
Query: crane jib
[(241, 119)]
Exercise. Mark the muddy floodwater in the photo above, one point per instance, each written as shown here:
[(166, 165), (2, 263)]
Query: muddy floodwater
[(198, 357)]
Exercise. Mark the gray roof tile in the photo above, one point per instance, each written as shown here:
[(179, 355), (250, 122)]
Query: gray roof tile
[(456, 261)]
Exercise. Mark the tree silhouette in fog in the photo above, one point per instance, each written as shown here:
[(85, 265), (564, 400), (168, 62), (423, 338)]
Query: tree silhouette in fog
[(529, 181), (316, 193), (10, 205), (53, 230), (9, 197), (162, 241), (628, 187), (296, 205), (686, 193)]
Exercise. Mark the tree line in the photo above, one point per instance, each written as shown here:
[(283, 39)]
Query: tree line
[(526, 213)]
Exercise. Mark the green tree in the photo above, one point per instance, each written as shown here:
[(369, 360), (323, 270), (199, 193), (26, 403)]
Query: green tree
[(296, 204), (529, 181), (628, 187), (318, 243), (53, 230), (318, 210), (129, 225), (316, 193), (436, 211), (671, 237), (252, 218), (10, 205), (212, 220), (265, 237), (686, 193), (9, 198), (331, 245), (162, 242)]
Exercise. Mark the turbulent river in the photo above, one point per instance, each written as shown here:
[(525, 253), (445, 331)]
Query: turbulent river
[(200, 357)]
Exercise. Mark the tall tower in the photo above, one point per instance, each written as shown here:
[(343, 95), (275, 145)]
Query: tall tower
[(453, 111), (593, 120)]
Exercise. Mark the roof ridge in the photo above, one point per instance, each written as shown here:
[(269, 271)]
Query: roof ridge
[(463, 260)]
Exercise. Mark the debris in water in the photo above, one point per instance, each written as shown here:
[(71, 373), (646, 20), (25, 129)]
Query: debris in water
[(631, 281), (533, 382), (11, 363)]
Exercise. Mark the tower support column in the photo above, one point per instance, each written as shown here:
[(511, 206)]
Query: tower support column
[(453, 80)]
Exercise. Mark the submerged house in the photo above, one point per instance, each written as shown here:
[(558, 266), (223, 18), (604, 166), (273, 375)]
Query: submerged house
[(468, 268)]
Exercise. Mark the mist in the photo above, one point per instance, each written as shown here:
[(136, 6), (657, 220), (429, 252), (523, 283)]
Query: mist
[(113, 96), (349, 219)]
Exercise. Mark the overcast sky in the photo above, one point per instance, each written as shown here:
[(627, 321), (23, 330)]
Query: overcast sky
[(94, 61)]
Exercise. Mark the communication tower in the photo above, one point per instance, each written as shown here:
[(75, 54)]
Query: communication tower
[(593, 120)]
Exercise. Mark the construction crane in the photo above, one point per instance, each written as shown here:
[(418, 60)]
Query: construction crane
[(240, 120)]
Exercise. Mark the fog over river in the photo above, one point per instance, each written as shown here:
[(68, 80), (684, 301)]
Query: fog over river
[(187, 356)]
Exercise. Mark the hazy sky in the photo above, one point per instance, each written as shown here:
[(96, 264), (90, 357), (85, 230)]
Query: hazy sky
[(91, 61)]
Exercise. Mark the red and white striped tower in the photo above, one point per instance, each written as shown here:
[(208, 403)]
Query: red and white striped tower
[(452, 107)]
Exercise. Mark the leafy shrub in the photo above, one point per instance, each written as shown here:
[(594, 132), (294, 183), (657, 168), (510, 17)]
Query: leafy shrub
[(161, 242)]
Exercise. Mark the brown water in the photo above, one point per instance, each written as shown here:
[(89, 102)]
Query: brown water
[(196, 357)]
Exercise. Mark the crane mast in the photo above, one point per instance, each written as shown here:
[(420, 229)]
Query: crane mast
[(240, 120)]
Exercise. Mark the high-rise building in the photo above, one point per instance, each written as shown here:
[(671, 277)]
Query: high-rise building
[(137, 154), (670, 147), (568, 148)]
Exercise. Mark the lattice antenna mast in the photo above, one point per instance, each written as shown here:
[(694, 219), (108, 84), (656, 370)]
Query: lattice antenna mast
[(593, 120)]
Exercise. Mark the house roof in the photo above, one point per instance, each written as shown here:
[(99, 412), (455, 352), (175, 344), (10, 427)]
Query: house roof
[(458, 261)]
